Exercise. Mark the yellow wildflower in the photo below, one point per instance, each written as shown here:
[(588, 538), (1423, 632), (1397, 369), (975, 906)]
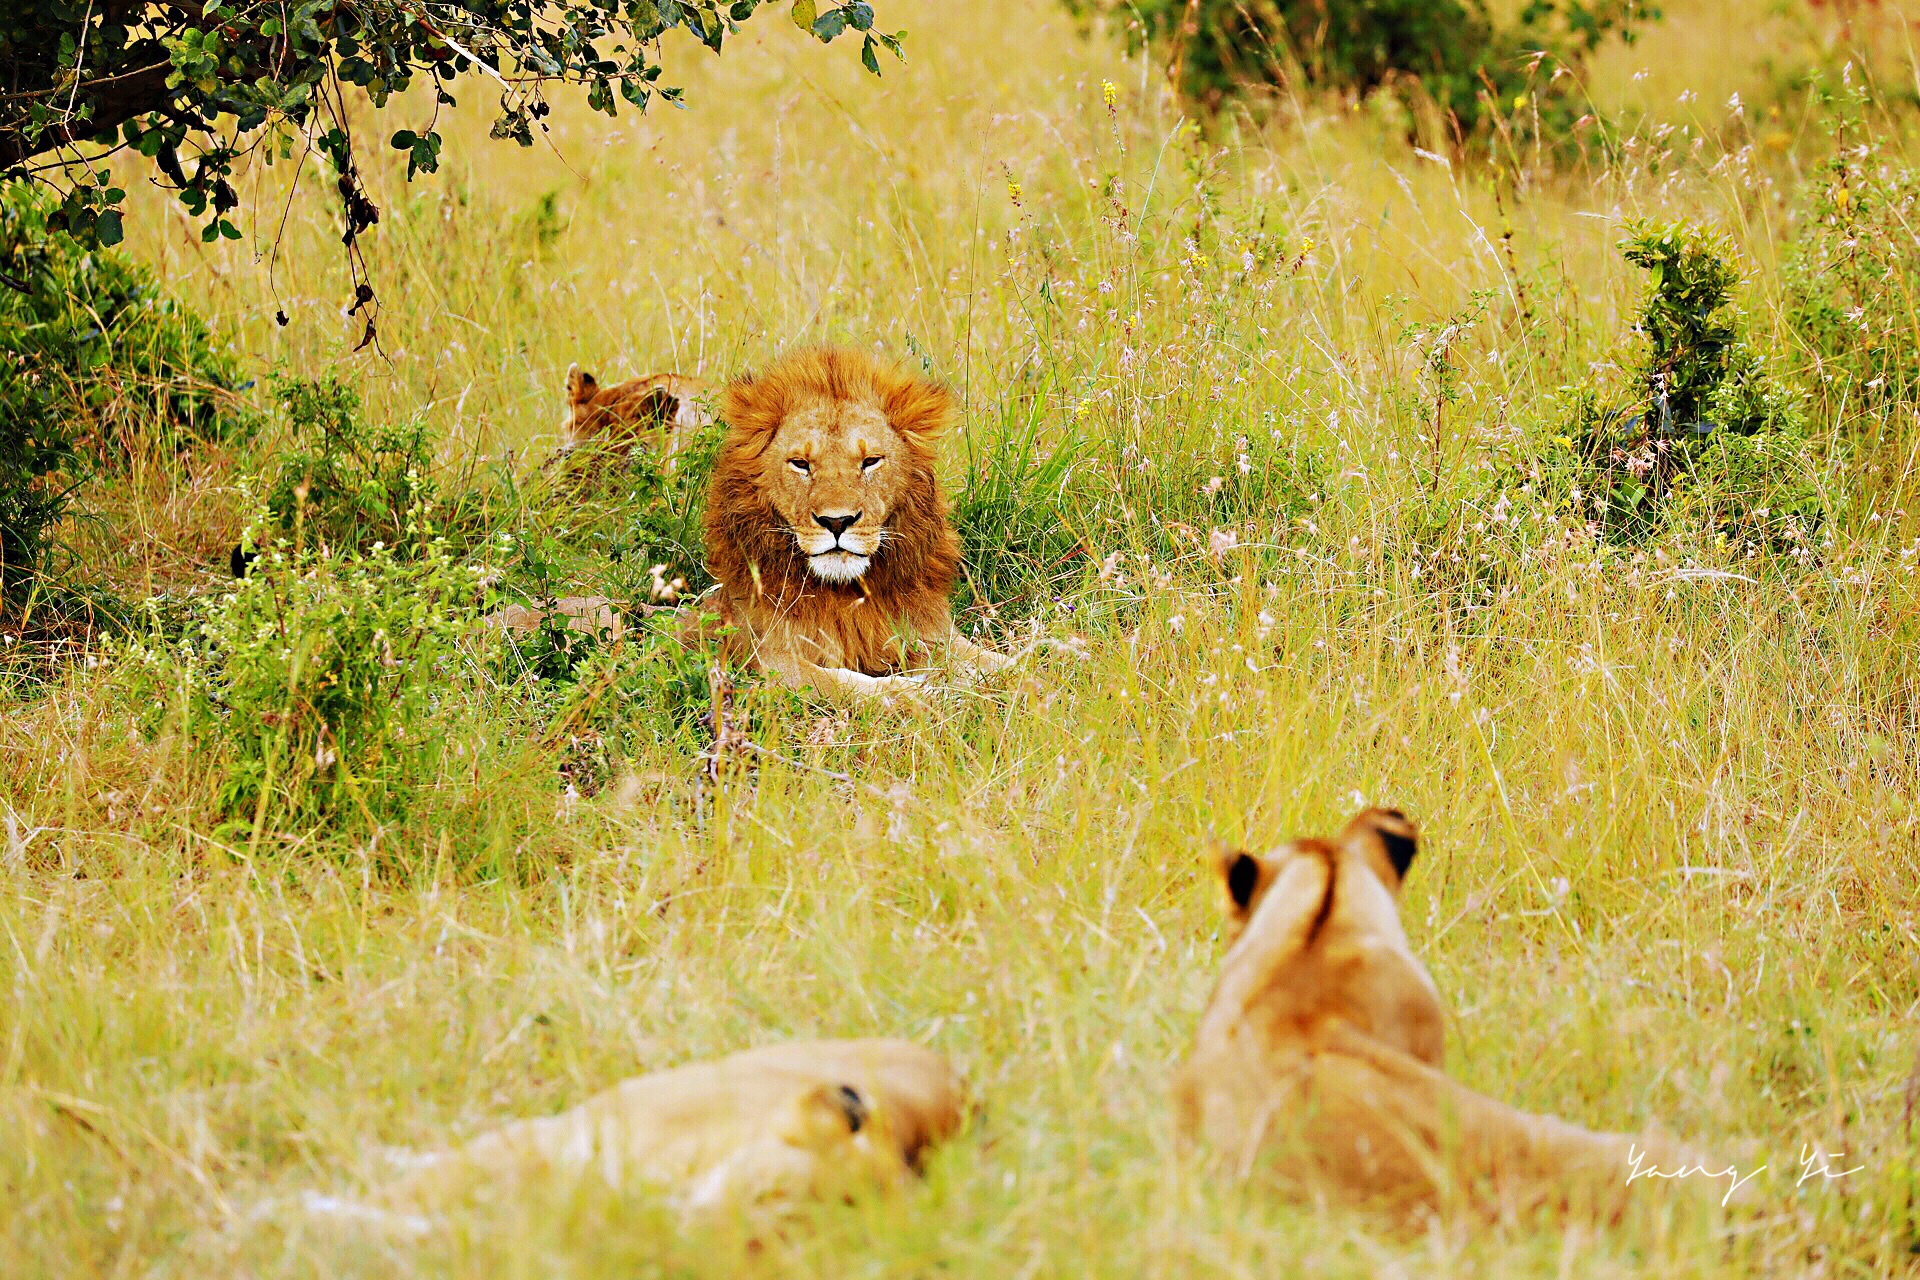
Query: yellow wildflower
[(1110, 92)]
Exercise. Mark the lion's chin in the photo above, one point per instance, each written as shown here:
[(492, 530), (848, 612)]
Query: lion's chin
[(837, 566)]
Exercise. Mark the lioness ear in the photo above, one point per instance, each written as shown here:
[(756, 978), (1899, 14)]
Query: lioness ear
[(1389, 835), (1242, 876), (580, 384)]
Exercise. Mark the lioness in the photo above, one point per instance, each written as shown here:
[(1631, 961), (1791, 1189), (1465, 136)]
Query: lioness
[(660, 410), (826, 526), (774, 1123), (1320, 1049)]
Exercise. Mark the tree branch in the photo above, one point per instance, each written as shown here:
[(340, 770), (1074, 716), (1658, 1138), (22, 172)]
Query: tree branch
[(114, 101)]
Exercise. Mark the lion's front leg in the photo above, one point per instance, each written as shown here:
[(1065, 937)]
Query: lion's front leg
[(970, 659), (840, 683)]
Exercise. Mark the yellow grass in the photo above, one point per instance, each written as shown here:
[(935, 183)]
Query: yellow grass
[(1671, 838)]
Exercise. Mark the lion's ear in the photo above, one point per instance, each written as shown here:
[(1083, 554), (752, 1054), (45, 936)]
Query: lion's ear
[(580, 384), (918, 407), (1386, 836), (1243, 877)]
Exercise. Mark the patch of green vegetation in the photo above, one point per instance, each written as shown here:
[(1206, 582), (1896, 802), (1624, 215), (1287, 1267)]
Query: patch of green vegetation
[(1702, 438)]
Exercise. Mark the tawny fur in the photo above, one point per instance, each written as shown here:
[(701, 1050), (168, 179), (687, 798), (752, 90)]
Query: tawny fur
[(778, 1123), (659, 411), (842, 436), (1318, 1057)]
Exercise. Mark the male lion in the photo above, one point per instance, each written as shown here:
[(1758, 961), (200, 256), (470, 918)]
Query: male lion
[(1320, 1050), (660, 409), (773, 1124), (827, 529)]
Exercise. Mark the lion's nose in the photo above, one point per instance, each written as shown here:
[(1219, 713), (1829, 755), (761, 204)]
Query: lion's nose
[(837, 525)]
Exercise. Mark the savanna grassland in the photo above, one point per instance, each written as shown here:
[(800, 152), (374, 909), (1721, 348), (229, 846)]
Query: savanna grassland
[(1283, 423)]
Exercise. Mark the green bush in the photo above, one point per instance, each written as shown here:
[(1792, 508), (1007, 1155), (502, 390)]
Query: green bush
[(119, 359), (35, 457), (1460, 56), (1707, 437), (662, 505), (340, 482), (310, 689)]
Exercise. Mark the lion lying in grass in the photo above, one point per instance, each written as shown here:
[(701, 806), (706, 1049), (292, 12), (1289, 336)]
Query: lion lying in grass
[(660, 410), (1319, 1053), (827, 529), (774, 1124)]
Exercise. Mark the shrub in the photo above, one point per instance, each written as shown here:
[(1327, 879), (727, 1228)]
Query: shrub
[(652, 688), (35, 454), (663, 503), (1453, 48), (309, 690), (341, 482), (116, 357), (1707, 435)]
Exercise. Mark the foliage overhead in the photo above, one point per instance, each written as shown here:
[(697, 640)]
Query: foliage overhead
[(198, 87)]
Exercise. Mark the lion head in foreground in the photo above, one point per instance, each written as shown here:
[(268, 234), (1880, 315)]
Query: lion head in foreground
[(825, 525), (1317, 1058)]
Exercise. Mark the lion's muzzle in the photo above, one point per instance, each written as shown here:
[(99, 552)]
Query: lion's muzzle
[(839, 547)]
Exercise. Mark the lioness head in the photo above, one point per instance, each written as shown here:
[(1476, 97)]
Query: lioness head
[(1315, 929), (840, 446), (663, 405)]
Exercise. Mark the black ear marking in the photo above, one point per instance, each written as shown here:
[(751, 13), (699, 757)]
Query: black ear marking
[(1401, 846), (1243, 877), (658, 407), (240, 561), (853, 1106)]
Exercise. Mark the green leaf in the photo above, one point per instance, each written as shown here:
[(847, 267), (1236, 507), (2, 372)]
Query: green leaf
[(866, 56), (109, 228), (830, 24), (803, 14)]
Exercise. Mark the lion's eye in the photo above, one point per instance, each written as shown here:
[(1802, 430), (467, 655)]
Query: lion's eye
[(870, 463), (801, 465)]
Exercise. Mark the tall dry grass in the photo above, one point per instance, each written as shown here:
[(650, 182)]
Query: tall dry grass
[(1668, 796)]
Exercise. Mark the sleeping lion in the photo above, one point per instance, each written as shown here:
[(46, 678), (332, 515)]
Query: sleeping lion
[(764, 1126), (1318, 1056), (659, 410), (827, 529)]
